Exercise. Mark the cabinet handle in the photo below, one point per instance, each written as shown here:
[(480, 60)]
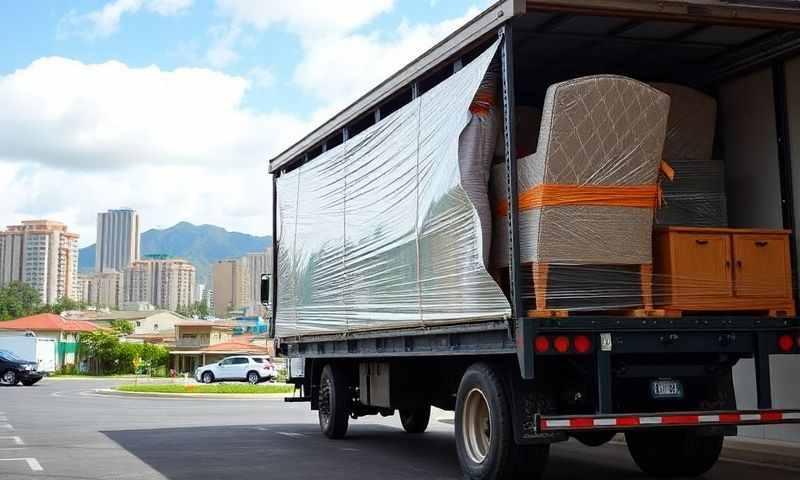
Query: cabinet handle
[(727, 264), (761, 243), (739, 263), (701, 242)]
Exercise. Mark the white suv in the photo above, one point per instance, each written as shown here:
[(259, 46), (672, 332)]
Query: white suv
[(251, 369)]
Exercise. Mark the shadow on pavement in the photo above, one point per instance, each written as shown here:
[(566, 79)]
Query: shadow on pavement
[(291, 451), (299, 451)]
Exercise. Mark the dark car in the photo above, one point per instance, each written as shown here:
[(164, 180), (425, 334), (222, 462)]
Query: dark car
[(14, 370)]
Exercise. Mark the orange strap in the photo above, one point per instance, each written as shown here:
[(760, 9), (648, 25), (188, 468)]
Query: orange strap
[(550, 195)]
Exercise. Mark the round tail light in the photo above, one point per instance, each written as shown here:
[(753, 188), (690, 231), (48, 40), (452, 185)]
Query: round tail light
[(542, 344), (785, 343), (561, 344), (582, 344)]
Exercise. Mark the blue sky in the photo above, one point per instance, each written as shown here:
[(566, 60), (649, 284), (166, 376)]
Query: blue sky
[(172, 106)]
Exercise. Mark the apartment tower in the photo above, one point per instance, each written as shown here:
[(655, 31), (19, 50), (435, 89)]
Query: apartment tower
[(118, 240), (43, 254), (167, 283)]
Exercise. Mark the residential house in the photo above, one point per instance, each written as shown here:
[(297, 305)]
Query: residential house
[(143, 321), (199, 342), (66, 333)]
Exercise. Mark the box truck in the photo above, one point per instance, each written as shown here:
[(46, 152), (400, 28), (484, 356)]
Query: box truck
[(28, 346), (566, 219)]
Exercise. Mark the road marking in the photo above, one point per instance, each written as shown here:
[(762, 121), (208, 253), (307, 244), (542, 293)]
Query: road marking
[(16, 440), (291, 434), (261, 429), (33, 464), (7, 426)]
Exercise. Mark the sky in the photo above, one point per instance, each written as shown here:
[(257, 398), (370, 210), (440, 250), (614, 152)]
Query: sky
[(173, 107)]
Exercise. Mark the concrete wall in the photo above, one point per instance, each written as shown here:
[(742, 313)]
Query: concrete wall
[(749, 138)]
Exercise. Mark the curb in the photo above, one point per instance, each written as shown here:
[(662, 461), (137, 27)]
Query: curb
[(767, 453), (217, 396)]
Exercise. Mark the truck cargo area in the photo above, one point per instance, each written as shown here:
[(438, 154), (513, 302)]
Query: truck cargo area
[(613, 322)]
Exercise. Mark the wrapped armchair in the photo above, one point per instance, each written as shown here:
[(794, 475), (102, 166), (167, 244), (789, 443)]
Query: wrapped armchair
[(588, 194)]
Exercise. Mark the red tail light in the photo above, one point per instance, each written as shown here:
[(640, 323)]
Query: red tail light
[(542, 344), (561, 344), (785, 343), (582, 344)]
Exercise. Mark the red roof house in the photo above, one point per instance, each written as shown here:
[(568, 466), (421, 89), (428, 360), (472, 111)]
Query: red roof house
[(49, 322)]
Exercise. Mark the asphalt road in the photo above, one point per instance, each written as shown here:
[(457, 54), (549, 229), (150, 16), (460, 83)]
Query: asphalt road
[(59, 429)]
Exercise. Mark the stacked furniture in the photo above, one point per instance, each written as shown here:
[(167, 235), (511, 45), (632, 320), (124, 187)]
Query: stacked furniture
[(696, 194), (588, 194)]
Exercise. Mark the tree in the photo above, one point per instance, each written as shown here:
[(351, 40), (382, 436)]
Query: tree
[(19, 299), (62, 305), (200, 309), (100, 346), (123, 327)]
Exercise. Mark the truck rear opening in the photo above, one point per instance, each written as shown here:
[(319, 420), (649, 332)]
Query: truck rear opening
[(567, 219)]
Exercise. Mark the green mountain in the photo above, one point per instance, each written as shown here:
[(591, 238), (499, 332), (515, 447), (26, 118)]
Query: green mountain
[(199, 244)]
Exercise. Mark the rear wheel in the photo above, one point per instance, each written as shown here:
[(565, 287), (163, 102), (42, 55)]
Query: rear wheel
[(484, 432), (253, 378), (9, 377), (674, 453), (335, 401), (415, 420)]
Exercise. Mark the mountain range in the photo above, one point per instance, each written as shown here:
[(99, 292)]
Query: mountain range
[(199, 244)]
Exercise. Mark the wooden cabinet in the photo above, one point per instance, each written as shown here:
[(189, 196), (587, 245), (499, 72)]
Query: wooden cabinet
[(721, 269)]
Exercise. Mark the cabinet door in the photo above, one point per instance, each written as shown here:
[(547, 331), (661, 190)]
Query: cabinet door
[(701, 268), (762, 265)]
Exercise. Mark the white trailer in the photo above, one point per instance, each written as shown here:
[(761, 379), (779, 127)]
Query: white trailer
[(30, 347)]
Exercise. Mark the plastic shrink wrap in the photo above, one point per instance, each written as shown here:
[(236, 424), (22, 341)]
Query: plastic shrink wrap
[(386, 229), (587, 195), (691, 124), (696, 195)]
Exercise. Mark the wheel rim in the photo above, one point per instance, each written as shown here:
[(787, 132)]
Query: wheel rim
[(253, 378), (477, 426), (207, 378), (9, 377), (325, 402)]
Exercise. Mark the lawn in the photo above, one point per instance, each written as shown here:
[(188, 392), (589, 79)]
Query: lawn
[(212, 388)]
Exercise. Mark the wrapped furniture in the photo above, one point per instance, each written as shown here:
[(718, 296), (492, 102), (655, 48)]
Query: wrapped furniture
[(587, 195), (696, 194)]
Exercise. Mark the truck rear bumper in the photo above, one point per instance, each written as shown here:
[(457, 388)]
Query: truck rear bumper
[(628, 421)]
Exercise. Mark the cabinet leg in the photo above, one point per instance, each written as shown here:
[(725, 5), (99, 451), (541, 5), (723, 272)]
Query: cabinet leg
[(646, 279), (540, 272)]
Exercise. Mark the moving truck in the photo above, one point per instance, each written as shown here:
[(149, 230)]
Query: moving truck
[(28, 346), (387, 294)]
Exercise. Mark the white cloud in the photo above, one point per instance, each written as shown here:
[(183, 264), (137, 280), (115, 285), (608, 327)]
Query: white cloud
[(177, 145), (105, 21), (307, 17), (343, 67)]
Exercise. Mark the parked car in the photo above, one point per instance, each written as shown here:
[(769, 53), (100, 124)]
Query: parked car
[(242, 368), (14, 370)]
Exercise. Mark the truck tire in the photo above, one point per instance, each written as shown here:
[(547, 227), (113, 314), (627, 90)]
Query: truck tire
[(334, 401), (674, 453), (415, 420), (484, 431)]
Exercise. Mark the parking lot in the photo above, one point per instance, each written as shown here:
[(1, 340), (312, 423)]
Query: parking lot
[(61, 429)]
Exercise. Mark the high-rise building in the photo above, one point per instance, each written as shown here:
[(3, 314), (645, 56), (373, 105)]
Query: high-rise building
[(118, 240), (167, 283), (258, 263), (231, 284), (43, 254), (102, 289)]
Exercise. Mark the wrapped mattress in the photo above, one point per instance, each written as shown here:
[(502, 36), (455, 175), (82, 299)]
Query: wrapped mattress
[(691, 124), (391, 227), (597, 132)]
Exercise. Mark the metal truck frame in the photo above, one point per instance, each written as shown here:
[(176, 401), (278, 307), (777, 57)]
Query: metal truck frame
[(519, 384)]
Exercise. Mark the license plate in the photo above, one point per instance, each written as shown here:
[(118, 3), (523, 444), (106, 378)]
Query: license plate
[(666, 389)]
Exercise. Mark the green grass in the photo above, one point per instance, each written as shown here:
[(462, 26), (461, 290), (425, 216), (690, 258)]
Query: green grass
[(212, 388)]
